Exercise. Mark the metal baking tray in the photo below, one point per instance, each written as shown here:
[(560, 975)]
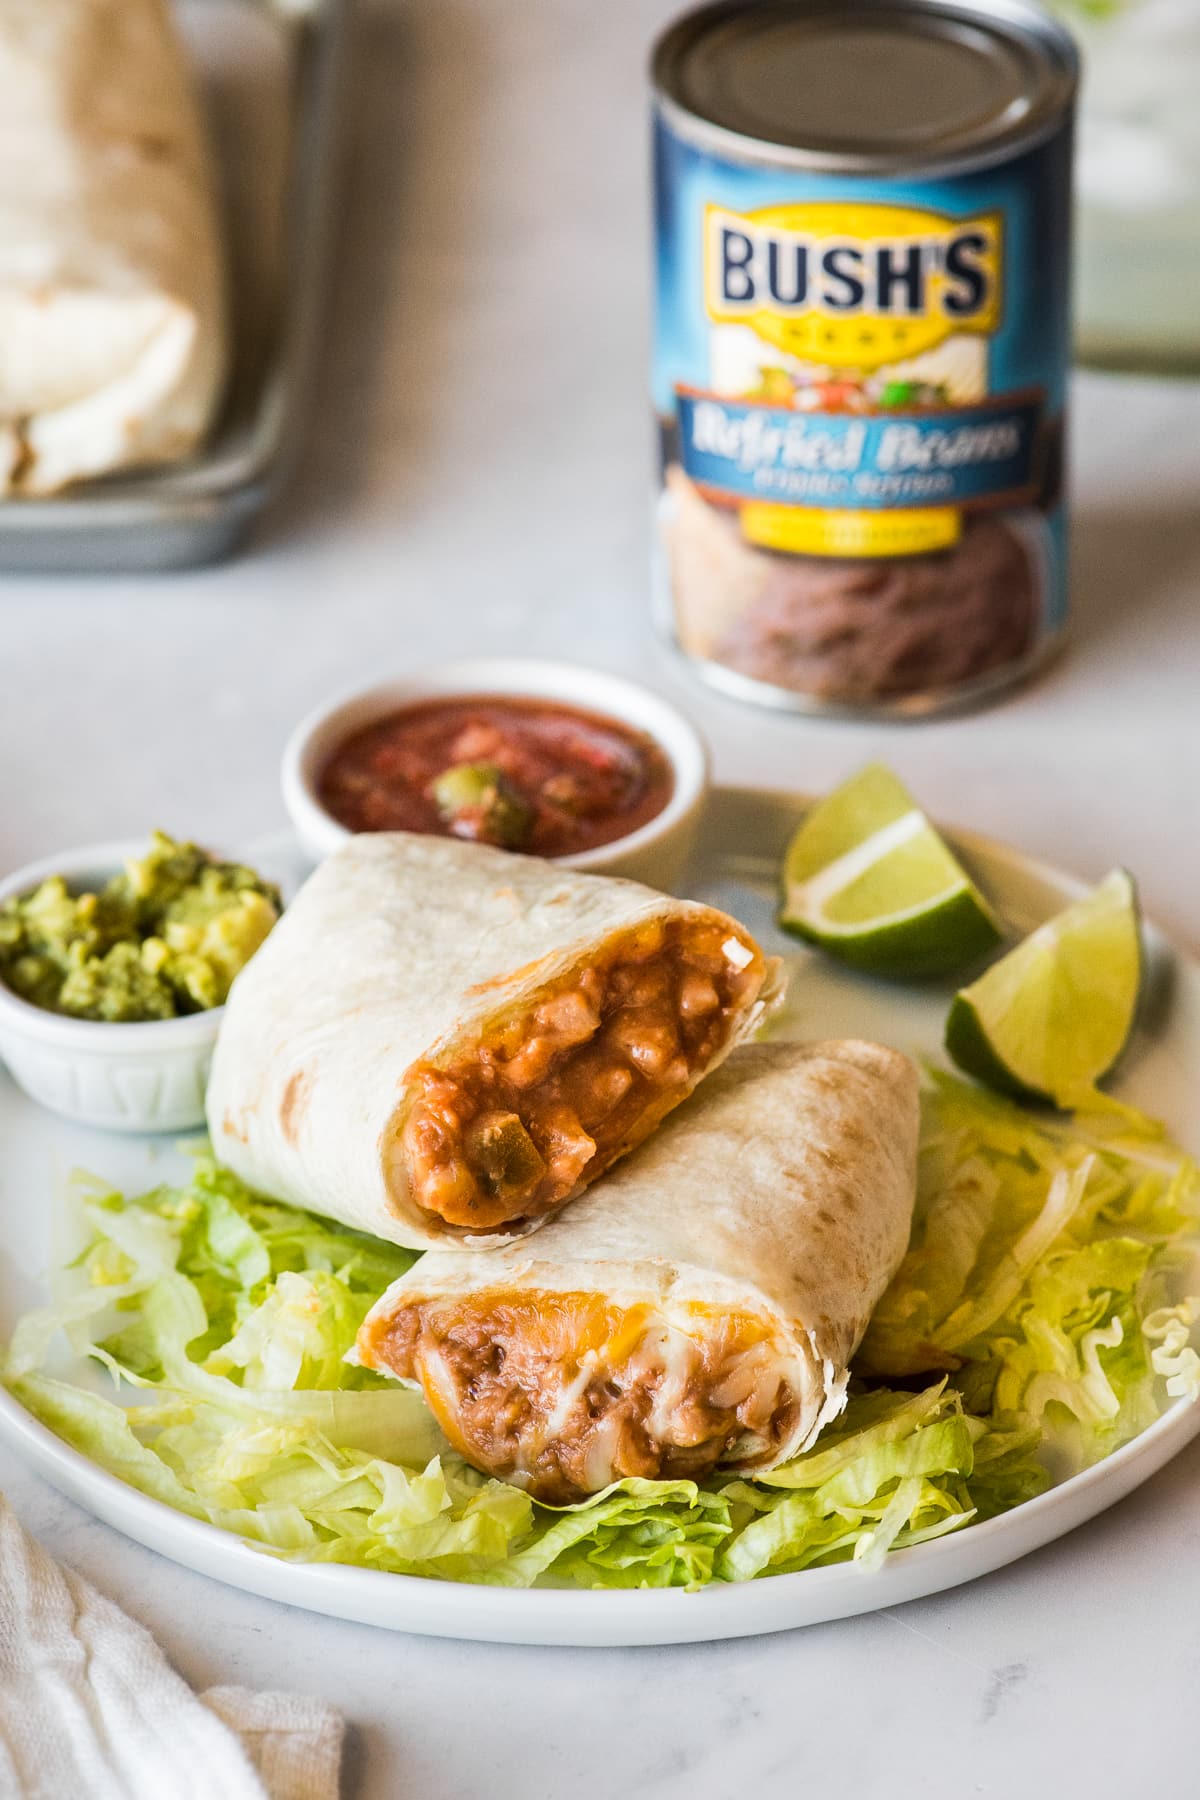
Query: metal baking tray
[(270, 73)]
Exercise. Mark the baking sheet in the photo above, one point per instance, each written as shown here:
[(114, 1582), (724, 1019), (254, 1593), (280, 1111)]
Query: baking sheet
[(270, 76)]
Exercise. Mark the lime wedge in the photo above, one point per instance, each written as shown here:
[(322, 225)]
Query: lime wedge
[(1051, 1017), (867, 877)]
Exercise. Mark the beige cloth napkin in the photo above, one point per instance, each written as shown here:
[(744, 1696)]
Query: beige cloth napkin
[(90, 1707)]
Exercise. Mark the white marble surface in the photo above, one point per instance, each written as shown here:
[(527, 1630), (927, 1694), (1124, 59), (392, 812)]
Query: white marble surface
[(476, 476)]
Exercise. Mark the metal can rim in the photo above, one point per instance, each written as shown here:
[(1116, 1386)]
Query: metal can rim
[(1002, 18)]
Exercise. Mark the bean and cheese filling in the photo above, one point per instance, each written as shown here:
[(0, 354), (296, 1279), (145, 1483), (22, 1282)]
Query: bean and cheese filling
[(549, 1098), (565, 1392)]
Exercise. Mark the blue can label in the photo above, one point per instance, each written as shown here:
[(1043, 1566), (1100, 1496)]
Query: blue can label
[(899, 461), (860, 387)]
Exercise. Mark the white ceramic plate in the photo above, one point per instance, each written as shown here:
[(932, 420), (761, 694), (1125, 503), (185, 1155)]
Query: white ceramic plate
[(743, 837)]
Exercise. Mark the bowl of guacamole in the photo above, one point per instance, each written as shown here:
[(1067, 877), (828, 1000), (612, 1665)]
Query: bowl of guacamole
[(114, 965)]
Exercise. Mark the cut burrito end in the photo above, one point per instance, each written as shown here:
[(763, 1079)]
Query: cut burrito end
[(440, 1041), (551, 1093), (563, 1393), (695, 1310)]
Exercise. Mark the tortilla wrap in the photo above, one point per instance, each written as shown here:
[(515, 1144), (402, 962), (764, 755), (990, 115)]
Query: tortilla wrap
[(112, 336), (440, 1040), (697, 1308)]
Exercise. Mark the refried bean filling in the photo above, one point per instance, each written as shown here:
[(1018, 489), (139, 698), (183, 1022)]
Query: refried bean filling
[(568, 1391), (557, 1094)]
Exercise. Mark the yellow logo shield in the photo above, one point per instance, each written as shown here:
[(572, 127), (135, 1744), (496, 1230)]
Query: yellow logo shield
[(853, 285)]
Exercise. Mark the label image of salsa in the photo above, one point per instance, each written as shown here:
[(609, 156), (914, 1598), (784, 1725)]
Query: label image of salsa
[(521, 774)]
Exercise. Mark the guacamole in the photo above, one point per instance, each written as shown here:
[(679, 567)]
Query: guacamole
[(166, 936)]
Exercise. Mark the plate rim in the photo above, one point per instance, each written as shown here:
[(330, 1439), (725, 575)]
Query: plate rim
[(624, 1617)]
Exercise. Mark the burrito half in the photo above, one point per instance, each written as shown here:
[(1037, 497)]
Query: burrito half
[(112, 341), (699, 1308), (442, 1040)]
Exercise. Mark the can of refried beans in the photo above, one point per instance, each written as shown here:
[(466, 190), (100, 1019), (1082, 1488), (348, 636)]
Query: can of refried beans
[(862, 339)]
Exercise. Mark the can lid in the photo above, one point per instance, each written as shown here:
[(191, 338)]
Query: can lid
[(868, 85)]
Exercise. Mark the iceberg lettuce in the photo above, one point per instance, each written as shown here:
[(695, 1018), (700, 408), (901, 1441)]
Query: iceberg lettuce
[(1042, 1252), (1039, 1306)]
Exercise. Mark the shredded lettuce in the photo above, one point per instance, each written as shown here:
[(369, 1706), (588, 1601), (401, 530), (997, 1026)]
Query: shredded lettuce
[(897, 1470), (1042, 1316), (1043, 1251)]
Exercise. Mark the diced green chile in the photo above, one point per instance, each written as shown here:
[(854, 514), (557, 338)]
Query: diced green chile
[(505, 1155), (480, 796)]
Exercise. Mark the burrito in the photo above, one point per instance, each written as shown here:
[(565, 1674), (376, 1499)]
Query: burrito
[(699, 1307), (112, 340), (440, 1040)]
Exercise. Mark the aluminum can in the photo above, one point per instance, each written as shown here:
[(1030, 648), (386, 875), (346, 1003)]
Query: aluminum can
[(861, 346)]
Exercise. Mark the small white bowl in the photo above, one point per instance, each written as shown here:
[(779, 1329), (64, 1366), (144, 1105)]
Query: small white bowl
[(655, 853), (122, 1077)]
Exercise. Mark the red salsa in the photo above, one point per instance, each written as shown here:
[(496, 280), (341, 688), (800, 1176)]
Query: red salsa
[(527, 775)]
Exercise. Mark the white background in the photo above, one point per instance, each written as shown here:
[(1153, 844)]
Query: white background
[(475, 479)]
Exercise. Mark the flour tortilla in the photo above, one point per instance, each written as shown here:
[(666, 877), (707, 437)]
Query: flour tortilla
[(784, 1188), (400, 948), (112, 333)]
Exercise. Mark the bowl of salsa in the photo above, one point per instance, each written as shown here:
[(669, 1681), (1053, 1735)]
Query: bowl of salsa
[(540, 758)]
